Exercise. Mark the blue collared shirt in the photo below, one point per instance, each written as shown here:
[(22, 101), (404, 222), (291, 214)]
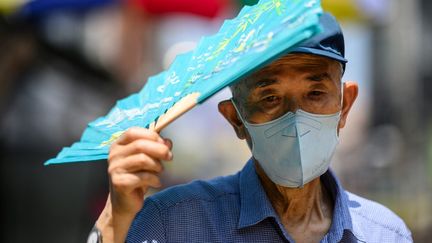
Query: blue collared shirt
[(236, 209)]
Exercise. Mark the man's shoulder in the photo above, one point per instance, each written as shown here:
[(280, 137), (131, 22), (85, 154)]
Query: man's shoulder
[(371, 216), (372, 211), (197, 190)]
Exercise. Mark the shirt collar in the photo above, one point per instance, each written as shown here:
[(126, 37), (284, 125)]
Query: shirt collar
[(342, 225), (255, 205)]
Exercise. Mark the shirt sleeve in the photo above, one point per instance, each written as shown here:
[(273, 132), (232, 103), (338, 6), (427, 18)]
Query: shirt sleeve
[(404, 234), (147, 226)]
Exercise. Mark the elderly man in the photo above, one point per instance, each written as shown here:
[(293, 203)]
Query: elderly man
[(290, 113)]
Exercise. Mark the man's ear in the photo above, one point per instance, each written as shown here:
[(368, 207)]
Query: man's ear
[(227, 109), (350, 92)]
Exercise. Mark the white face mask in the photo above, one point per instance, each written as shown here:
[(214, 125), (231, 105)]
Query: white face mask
[(296, 147)]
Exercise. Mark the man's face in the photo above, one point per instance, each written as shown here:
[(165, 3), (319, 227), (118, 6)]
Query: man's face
[(297, 81)]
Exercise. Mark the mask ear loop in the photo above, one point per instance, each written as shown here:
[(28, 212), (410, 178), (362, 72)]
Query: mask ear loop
[(342, 94), (241, 118), (238, 111), (341, 102)]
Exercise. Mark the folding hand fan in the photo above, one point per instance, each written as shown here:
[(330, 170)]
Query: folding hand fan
[(257, 36)]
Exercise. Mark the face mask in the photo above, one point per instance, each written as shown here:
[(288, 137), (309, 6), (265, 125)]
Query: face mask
[(296, 147)]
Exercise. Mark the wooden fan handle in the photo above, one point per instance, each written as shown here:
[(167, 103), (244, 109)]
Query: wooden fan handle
[(182, 106)]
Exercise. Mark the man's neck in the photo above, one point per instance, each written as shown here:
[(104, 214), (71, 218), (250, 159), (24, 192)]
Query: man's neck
[(303, 211)]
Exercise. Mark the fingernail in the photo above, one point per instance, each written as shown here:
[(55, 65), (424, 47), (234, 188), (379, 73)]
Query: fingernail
[(170, 155)]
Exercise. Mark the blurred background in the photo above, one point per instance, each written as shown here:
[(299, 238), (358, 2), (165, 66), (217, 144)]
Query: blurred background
[(63, 63)]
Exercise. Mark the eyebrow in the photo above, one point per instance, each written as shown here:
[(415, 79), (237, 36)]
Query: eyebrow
[(318, 77), (265, 82)]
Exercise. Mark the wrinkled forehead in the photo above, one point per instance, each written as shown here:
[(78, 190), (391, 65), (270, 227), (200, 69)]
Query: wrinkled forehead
[(297, 63)]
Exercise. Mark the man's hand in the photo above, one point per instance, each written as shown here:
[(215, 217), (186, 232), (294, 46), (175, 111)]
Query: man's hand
[(134, 165)]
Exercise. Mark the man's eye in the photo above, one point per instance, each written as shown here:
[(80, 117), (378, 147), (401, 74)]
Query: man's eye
[(271, 99), (315, 93)]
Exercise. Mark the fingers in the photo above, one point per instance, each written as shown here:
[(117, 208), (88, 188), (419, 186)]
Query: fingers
[(135, 133), (135, 163), (151, 148), (168, 143)]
